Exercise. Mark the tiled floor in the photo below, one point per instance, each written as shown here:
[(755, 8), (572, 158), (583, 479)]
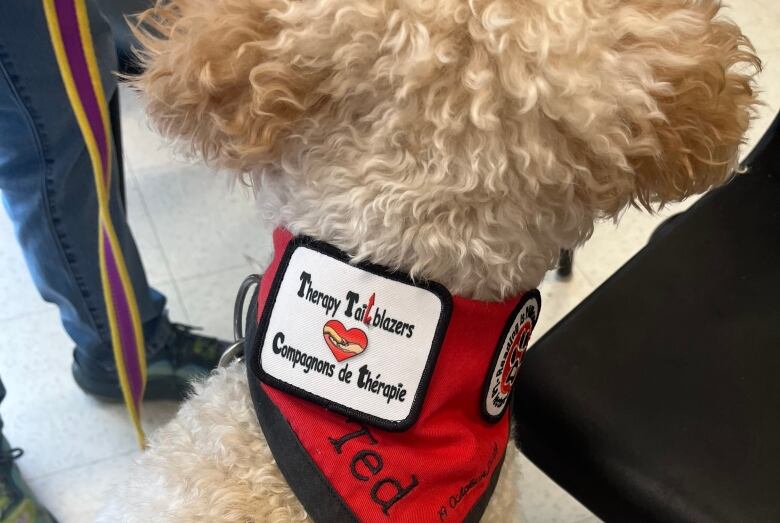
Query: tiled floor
[(198, 238)]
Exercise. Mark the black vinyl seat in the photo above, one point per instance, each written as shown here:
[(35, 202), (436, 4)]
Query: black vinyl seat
[(658, 397)]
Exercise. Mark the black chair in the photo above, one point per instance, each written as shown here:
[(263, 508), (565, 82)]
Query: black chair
[(658, 397)]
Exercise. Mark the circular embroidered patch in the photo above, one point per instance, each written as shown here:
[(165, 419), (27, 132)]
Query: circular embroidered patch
[(509, 355)]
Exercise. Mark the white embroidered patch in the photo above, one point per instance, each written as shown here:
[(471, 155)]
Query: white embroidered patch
[(355, 339), (509, 355)]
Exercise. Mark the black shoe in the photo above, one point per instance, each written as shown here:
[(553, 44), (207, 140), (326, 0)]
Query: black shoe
[(171, 366), (17, 504)]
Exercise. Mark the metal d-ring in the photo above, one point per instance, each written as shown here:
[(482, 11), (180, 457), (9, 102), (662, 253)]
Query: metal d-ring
[(236, 349), (238, 308)]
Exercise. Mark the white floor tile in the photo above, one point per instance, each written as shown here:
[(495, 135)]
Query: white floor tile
[(613, 244), (76, 495), (18, 295), (203, 224), (758, 20), (543, 501), (142, 146), (559, 296), (177, 312), (209, 299), (46, 414), (769, 93), (152, 254)]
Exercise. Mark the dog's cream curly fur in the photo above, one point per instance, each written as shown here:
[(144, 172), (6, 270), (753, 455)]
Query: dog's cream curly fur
[(212, 464), (464, 141)]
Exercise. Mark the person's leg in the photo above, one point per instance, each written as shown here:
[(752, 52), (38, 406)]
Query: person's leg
[(48, 190), (46, 179), (16, 501)]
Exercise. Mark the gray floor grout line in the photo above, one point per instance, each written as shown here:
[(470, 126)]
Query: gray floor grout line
[(182, 302), (171, 279), (153, 226), (168, 270), (583, 274), (214, 272), (155, 283), (81, 465)]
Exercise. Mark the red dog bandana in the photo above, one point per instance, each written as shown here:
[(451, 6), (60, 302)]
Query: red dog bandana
[(382, 398)]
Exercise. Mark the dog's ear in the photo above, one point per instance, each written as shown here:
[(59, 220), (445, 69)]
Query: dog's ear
[(214, 83), (698, 72)]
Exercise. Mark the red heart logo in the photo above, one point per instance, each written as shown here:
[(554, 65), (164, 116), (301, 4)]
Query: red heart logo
[(344, 343)]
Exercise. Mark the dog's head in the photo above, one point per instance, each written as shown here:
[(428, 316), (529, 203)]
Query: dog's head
[(465, 141)]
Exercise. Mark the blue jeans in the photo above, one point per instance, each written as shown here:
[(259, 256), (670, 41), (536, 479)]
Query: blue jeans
[(47, 184)]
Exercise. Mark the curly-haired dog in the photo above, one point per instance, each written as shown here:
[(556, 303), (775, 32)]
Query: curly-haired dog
[(406, 142)]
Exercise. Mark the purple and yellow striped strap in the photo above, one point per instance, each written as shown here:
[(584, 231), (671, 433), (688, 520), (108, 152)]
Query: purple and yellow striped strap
[(68, 24)]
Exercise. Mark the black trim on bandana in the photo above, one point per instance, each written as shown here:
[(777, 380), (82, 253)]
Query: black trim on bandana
[(532, 294), (478, 510), (310, 486), (255, 361)]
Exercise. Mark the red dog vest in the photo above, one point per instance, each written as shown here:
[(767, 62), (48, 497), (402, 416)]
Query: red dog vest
[(382, 398)]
